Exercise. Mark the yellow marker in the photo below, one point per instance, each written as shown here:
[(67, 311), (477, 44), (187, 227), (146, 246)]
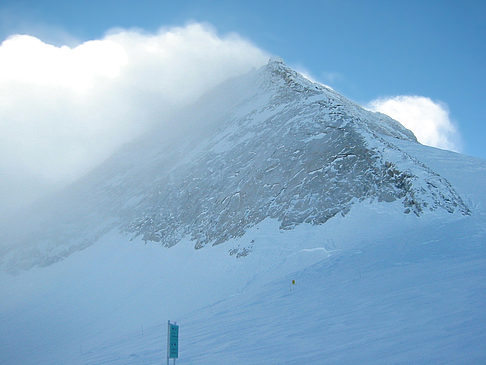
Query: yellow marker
[(293, 282)]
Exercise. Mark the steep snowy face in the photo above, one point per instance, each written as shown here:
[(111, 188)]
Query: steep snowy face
[(292, 150), (269, 144)]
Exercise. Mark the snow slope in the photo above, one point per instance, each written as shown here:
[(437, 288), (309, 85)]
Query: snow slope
[(373, 283)]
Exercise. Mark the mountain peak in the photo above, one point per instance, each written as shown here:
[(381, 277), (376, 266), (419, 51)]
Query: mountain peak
[(279, 73), (275, 60), (275, 146)]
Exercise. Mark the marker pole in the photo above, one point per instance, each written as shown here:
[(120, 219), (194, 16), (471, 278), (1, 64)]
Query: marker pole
[(168, 340)]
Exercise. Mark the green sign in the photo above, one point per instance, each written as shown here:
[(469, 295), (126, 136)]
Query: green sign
[(173, 341)]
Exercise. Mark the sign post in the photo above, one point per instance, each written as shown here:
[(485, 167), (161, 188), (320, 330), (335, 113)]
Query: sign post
[(172, 341)]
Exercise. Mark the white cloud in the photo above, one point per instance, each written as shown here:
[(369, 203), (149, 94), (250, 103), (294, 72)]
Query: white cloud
[(428, 120), (64, 109)]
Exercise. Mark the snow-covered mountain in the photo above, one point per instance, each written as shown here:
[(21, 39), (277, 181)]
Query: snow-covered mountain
[(268, 178), (270, 144)]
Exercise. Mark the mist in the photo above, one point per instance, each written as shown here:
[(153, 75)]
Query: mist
[(65, 109)]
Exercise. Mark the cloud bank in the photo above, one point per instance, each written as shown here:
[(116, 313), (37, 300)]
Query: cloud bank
[(65, 109), (428, 120)]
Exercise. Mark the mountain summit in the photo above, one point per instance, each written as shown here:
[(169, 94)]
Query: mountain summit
[(268, 144)]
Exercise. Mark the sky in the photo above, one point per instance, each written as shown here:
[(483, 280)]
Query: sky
[(78, 78)]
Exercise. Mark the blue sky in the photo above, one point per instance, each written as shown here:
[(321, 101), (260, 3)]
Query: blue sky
[(364, 49)]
